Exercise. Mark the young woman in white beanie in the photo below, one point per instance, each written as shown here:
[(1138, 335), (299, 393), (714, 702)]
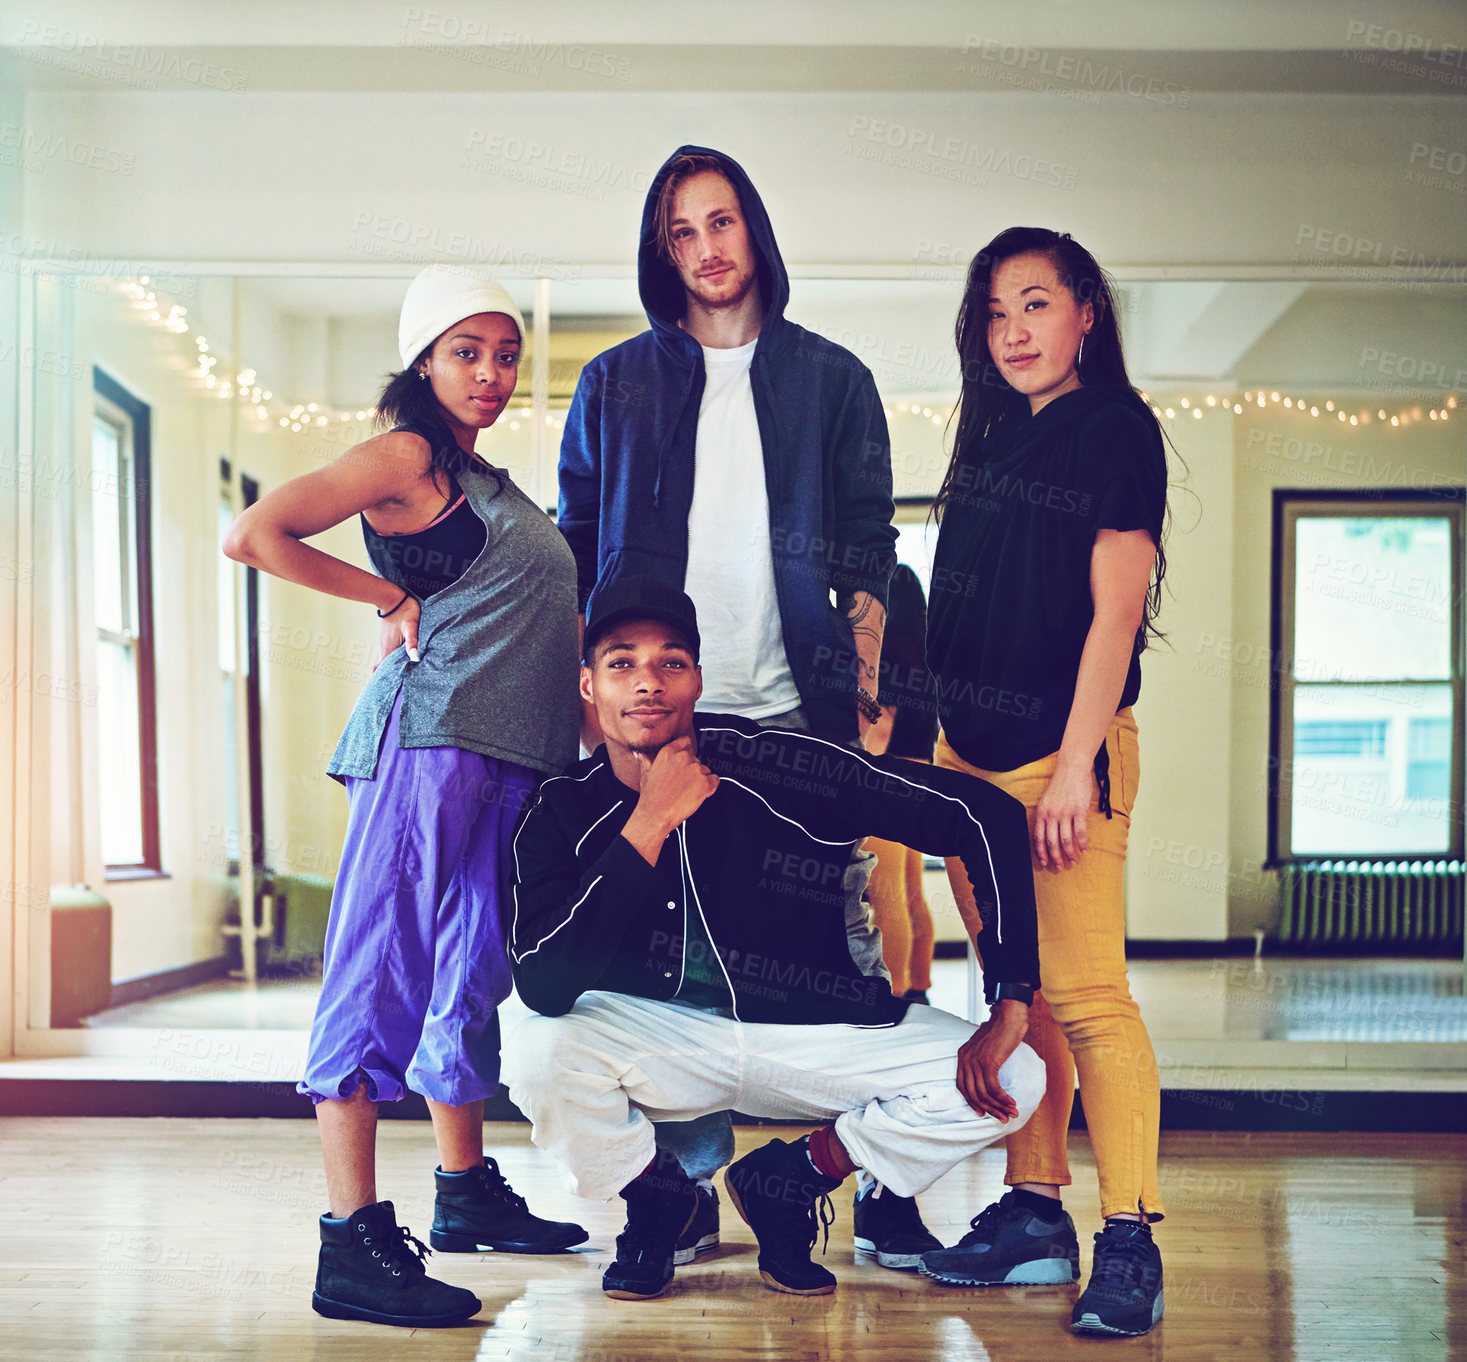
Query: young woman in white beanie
[(473, 700)]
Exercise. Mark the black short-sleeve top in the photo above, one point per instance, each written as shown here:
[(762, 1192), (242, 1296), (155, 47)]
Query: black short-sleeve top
[(1010, 605)]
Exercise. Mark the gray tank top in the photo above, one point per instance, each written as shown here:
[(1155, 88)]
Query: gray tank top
[(497, 648)]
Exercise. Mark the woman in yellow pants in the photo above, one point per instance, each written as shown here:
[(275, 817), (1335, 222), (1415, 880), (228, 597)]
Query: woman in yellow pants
[(1045, 583)]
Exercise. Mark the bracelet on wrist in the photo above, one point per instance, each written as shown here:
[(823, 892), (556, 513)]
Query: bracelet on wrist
[(866, 703), (383, 614)]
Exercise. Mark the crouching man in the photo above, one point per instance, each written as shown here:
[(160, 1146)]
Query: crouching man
[(679, 924)]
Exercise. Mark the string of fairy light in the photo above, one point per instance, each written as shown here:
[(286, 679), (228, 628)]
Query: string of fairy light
[(1330, 409), (1349, 411), (301, 416), (256, 399)]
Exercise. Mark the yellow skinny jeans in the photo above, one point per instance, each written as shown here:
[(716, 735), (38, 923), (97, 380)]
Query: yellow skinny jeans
[(1084, 1019)]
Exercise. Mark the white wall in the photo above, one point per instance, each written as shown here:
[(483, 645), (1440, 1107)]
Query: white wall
[(157, 923), (1176, 880), (316, 652), (25, 876), (380, 178)]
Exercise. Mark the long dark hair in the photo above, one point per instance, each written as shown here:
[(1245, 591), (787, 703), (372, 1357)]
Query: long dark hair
[(989, 405), (408, 400)]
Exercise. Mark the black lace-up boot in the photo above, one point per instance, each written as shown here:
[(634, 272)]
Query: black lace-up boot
[(477, 1211), (371, 1268), (786, 1203), (661, 1203)]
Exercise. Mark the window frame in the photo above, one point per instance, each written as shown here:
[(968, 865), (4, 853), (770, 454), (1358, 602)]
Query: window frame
[(139, 416), (1289, 506)]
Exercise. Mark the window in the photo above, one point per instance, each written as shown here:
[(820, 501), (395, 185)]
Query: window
[(1428, 768), (228, 662), (1367, 717), (1362, 738), (126, 709)]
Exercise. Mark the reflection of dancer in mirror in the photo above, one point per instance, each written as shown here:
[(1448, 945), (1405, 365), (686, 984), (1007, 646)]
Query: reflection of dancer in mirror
[(1046, 581), (459, 720), (907, 728)]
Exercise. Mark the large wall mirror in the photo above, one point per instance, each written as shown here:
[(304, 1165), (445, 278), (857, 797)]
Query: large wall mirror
[(1305, 707)]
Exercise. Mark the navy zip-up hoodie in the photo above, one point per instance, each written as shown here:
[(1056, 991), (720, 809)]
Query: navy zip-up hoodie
[(627, 462)]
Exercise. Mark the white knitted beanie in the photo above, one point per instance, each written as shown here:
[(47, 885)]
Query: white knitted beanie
[(444, 294)]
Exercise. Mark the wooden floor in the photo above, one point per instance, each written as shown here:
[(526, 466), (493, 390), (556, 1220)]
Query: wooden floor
[(193, 1240)]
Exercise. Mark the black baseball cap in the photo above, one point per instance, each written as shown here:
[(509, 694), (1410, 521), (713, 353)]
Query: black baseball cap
[(639, 596)]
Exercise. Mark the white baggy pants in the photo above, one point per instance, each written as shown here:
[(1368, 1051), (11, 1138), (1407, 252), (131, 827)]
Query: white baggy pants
[(593, 1081)]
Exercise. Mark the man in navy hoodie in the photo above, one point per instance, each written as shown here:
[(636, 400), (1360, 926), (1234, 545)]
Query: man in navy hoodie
[(738, 456), (785, 433)]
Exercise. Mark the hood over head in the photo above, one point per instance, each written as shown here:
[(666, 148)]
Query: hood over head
[(658, 282)]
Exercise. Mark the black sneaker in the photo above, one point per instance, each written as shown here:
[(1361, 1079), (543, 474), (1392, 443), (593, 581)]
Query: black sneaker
[(786, 1203), (661, 1204), (889, 1228), (1123, 1295), (1008, 1246), (371, 1268), (701, 1232), (477, 1211), (917, 995)]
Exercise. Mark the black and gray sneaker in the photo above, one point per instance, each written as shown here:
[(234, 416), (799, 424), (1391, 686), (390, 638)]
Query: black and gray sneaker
[(786, 1203), (1008, 1246), (477, 1211), (1123, 1295), (371, 1268), (701, 1232), (661, 1202), (889, 1229)]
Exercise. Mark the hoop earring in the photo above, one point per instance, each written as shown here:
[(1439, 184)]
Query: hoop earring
[(1080, 354)]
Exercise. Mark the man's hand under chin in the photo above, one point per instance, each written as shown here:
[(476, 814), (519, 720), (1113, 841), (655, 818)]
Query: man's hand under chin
[(674, 785)]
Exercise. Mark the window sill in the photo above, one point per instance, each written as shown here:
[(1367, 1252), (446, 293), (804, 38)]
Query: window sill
[(134, 872)]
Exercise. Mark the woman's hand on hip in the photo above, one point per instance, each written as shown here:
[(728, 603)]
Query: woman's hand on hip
[(1059, 832), (399, 629)]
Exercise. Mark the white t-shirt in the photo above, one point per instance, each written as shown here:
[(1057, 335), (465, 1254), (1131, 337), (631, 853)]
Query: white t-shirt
[(730, 561)]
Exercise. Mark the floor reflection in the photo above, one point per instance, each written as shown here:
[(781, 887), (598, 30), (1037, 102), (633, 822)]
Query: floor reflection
[(1275, 998), (196, 1239)]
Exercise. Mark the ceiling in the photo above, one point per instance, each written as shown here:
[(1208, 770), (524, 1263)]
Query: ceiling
[(383, 46)]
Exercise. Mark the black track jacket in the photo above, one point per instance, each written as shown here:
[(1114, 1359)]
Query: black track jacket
[(763, 861)]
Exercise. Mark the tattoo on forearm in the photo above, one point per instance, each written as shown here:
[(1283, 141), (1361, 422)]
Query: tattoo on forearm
[(866, 631)]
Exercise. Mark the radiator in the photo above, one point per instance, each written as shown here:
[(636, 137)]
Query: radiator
[(1384, 903), (302, 906)]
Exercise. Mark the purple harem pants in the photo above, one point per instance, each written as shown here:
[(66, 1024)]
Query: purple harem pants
[(415, 959)]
